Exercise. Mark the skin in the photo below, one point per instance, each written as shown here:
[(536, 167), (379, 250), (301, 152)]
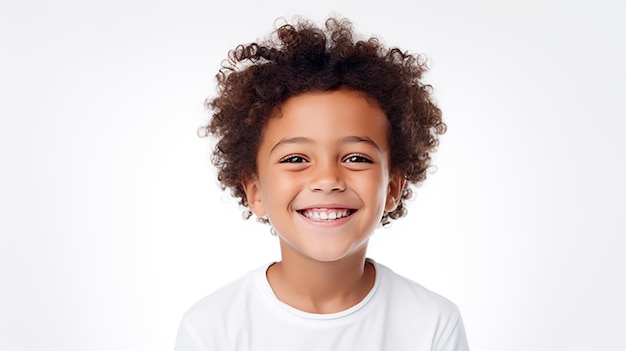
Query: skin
[(323, 180)]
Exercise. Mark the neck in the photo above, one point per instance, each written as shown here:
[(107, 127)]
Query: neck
[(321, 287)]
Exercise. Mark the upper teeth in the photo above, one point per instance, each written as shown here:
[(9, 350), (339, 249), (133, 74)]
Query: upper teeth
[(325, 215)]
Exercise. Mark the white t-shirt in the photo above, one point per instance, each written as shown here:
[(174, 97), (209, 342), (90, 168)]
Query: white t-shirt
[(396, 315)]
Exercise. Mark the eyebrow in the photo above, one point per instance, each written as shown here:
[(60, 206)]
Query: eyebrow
[(357, 139), (345, 140)]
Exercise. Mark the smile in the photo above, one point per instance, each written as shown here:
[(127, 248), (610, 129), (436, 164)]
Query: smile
[(326, 214)]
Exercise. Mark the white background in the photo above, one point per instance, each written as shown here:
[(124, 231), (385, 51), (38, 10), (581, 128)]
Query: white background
[(112, 223)]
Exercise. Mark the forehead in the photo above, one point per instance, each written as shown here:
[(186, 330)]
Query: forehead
[(329, 115)]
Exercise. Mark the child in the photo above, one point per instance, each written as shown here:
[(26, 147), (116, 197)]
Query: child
[(320, 135)]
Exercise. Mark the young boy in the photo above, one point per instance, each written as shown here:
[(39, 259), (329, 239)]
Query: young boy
[(320, 135)]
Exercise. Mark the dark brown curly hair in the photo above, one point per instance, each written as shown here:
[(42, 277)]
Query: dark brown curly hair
[(258, 77)]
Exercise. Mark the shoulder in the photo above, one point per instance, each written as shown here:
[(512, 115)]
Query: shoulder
[(224, 302), (412, 296), (208, 323), (416, 309)]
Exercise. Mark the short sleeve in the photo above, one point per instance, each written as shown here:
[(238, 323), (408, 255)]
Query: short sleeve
[(187, 339), (454, 338)]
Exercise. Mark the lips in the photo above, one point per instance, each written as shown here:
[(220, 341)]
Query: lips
[(326, 214)]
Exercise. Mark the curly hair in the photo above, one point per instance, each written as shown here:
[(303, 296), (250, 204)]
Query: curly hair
[(258, 77)]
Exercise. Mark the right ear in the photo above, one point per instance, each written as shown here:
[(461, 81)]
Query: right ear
[(252, 188)]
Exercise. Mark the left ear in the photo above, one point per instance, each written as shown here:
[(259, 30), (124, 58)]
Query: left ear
[(394, 191)]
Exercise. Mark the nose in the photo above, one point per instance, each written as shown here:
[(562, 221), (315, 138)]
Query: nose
[(327, 178)]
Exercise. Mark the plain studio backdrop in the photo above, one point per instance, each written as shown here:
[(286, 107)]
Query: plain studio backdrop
[(112, 223)]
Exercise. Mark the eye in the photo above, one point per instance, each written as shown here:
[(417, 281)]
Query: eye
[(293, 159), (355, 158)]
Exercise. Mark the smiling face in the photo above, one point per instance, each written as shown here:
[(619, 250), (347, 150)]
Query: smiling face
[(323, 176)]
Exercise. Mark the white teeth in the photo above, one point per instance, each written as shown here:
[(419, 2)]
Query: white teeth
[(327, 215)]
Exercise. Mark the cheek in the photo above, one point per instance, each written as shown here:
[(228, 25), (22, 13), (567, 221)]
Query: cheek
[(374, 186), (279, 188)]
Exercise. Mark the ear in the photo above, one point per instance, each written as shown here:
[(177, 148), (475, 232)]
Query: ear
[(394, 192), (254, 196)]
